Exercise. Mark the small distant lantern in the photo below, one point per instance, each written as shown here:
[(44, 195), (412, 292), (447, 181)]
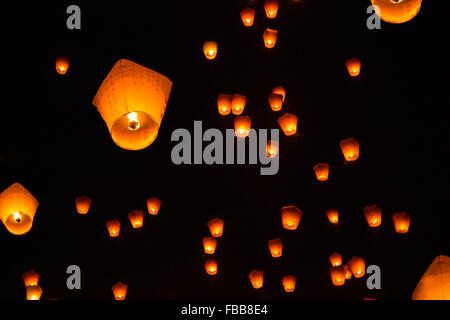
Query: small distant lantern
[(276, 101), (280, 90), (242, 126), (113, 227), (153, 205), (211, 267), (357, 266), (216, 227), (31, 278), (271, 8), (209, 245), (238, 102), (270, 37), (62, 65), (290, 217), (289, 283), (17, 209), (337, 276), (248, 16), (402, 221), (210, 49), (120, 291), (256, 278), (396, 11), (373, 215), (276, 248), (34, 292), (224, 104), (353, 66), (350, 149), (322, 170), (333, 215), (336, 259), (288, 123), (83, 204), (136, 218), (348, 273), (272, 149)]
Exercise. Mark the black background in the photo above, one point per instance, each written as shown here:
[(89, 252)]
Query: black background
[(56, 144)]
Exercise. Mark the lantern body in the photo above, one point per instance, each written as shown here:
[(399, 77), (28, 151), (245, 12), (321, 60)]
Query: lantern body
[(17, 209), (280, 90), (276, 101), (289, 283), (353, 66), (348, 273), (153, 205), (435, 282), (215, 226), (120, 291), (238, 102), (113, 227), (373, 215), (270, 37), (336, 259), (271, 8), (322, 170), (209, 245), (132, 100), (397, 11), (248, 16), (136, 218), (256, 278), (83, 204), (34, 292), (224, 104), (402, 221), (211, 267), (276, 248), (337, 275), (357, 266), (210, 49), (31, 278), (288, 123), (333, 216), (62, 65), (272, 149), (242, 126), (290, 217), (350, 149)]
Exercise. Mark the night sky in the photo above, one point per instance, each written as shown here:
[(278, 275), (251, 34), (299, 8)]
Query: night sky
[(55, 143)]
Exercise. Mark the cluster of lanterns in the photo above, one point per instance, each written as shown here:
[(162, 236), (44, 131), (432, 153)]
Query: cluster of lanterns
[(215, 227), (355, 267), (31, 280)]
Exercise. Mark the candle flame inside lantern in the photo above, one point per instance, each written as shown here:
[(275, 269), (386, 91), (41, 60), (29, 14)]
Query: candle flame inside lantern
[(133, 123)]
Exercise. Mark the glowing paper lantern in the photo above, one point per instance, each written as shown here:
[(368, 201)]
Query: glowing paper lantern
[(276, 101), (357, 266), (333, 215), (272, 149), (224, 104), (270, 37), (113, 227), (322, 170), (242, 126), (215, 226), (401, 221), (353, 66), (136, 218), (153, 205), (132, 100), (373, 215), (62, 65), (435, 282), (276, 248), (34, 292), (271, 8), (337, 275), (238, 102), (348, 273), (120, 291), (397, 11), (256, 278), (288, 123), (209, 244), (248, 16), (17, 209), (350, 149), (210, 49), (31, 278), (336, 259), (83, 204), (211, 267), (279, 90), (290, 217), (289, 283)]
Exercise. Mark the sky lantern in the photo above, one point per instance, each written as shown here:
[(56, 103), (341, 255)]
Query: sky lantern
[(397, 11), (289, 283), (34, 292), (120, 291), (132, 100), (357, 266), (238, 102), (30, 278), (350, 149), (401, 221), (83, 204), (435, 282), (242, 126), (248, 16), (280, 90), (336, 259), (333, 215), (62, 65), (215, 226), (348, 273), (270, 37), (322, 170), (136, 218), (288, 123), (153, 205), (373, 215), (290, 217), (211, 266), (271, 8), (209, 245), (276, 248), (256, 278), (272, 149), (353, 66), (276, 101), (210, 49), (224, 104), (17, 209), (113, 227), (337, 275)]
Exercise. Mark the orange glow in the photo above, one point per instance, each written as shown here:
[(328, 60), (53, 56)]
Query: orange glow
[(336, 259), (373, 215), (357, 266), (397, 11), (402, 221), (62, 65), (435, 282), (83, 204), (113, 227), (348, 273), (224, 104), (210, 49), (333, 216), (256, 278), (337, 276), (276, 248), (276, 101), (248, 16), (153, 205), (31, 278), (288, 123), (280, 90), (271, 8), (34, 292), (350, 149), (353, 66), (242, 126), (270, 37), (215, 227), (136, 218), (290, 217), (238, 102), (289, 283), (322, 170), (209, 244), (211, 267), (272, 149), (120, 291)]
